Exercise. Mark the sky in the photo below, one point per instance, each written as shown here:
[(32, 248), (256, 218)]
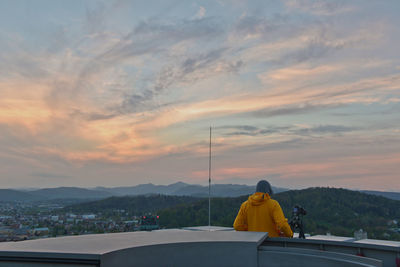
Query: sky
[(118, 93)]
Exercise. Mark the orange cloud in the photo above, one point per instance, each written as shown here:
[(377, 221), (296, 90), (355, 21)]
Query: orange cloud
[(137, 136), (302, 71)]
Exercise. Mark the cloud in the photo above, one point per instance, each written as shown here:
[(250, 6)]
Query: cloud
[(247, 130), (319, 7), (364, 87), (293, 130), (275, 102), (299, 72), (187, 71), (316, 48), (96, 18), (151, 40), (324, 129), (91, 116), (301, 162), (290, 110), (322, 40), (286, 40), (19, 64), (94, 92), (78, 104), (250, 27), (201, 13), (192, 65), (46, 175), (240, 127)]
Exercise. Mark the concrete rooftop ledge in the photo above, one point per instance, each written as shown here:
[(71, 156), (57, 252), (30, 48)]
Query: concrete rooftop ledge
[(197, 246), (106, 243), (348, 251), (328, 240)]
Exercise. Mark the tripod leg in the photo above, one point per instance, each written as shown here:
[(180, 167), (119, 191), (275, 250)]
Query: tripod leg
[(301, 234)]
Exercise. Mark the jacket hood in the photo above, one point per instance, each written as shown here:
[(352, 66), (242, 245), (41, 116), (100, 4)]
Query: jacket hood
[(258, 198)]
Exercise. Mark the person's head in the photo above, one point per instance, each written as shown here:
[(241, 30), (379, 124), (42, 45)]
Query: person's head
[(264, 187)]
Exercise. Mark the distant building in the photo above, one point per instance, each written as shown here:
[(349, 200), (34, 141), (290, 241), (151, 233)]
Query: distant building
[(89, 216), (360, 234), (5, 230), (23, 230), (148, 223)]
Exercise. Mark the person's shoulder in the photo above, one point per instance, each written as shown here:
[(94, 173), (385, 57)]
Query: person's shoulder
[(274, 202), (244, 204)]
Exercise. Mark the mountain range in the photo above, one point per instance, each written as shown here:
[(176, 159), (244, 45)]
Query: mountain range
[(9, 195), (175, 189), (184, 189)]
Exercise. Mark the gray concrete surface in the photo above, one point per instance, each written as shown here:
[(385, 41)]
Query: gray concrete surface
[(197, 246), (162, 247), (208, 228), (385, 251), (283, 256)]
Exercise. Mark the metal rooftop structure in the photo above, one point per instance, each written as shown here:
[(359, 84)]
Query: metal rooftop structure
[(197, 246)]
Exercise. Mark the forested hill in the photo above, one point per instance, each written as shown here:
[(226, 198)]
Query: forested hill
[(341, 211), (338, 211), (135, 205)]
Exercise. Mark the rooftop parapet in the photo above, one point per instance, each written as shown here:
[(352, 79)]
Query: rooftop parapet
[(197, 246), (175, 247), (381, 252)]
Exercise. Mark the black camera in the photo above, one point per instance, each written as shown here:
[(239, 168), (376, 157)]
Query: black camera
[(297, 220), (298, 210)]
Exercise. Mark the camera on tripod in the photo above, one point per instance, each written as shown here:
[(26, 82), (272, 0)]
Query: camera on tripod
[(298, 210), (296, 222)]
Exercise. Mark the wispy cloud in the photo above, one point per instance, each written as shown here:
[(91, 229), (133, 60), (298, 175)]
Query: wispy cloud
[(290, 110), (50, 175), (319, 7), (111, 85), (201, 13), (293, 130), (189, 70)]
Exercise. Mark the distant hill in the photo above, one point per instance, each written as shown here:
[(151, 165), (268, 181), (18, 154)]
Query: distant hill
[(338, 211), (342, 211), (136, 205), (69, 193), (144, 189), (183, 189), (176, 189), (391, 195), (9, 195)]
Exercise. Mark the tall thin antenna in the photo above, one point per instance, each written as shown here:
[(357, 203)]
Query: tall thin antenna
[(209, 184)]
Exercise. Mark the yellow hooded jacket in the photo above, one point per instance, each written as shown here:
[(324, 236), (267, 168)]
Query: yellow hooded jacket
[(260, 213)]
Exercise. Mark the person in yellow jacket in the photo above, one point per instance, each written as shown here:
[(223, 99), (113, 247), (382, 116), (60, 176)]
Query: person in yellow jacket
[(260, 213)]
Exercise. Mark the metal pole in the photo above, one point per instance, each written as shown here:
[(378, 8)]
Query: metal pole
[(209, 184)]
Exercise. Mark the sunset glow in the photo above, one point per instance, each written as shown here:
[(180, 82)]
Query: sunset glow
[(111, 93)]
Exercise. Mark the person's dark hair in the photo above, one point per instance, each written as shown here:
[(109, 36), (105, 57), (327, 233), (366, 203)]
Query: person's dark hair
[(264, 187)]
